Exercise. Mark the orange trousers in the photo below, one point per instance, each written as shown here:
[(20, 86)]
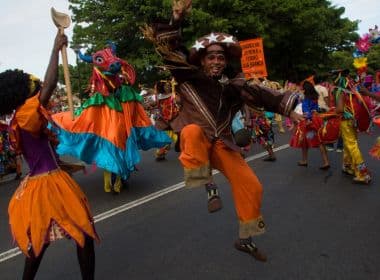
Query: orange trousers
[(199, 156)]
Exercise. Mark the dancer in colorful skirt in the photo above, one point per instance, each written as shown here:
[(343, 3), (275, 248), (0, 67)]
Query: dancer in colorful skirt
[(259, 123), (305, 135), (111, 126), (356, 118), (209, 101), (48, 204)]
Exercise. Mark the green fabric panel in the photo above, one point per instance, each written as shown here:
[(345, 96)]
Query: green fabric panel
[(123, 94), (128, 93)]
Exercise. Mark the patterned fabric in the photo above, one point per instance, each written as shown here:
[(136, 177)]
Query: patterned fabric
[(352, 156), (261, 129), (113, 140)]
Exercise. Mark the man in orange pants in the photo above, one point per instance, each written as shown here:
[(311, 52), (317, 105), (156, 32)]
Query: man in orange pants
[(210, 96)]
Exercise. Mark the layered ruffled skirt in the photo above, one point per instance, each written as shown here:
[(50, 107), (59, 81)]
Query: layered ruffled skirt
[(46, 207), (109, 131)]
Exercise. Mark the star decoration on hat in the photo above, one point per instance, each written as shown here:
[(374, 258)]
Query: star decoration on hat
[(212, 38), (228, 39), (198, 45)]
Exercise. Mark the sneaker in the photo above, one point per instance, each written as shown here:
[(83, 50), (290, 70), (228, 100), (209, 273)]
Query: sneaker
[(329, 149), (251, 249)]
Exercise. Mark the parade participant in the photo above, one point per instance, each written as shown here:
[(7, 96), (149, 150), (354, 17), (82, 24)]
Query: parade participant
[(355, 117), (10, 161), (111, 126), (375, 150), (48, 204), (323, 93), (165, 110), (280, 125), (277, 117), (259, 123), (209, 101), (305, 136)]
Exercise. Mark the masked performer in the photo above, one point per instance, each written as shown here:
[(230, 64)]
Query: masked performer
[(165, 110), (48, 204), (355, 118), (111, 126), (209, 101)]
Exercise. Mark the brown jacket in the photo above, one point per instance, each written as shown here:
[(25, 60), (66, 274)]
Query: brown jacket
[(210, 103)]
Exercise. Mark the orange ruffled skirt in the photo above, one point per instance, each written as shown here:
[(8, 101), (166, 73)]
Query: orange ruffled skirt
[(47, 201)]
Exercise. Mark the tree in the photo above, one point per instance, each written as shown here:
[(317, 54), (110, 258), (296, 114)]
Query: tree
[(373, 58), (299, 35)]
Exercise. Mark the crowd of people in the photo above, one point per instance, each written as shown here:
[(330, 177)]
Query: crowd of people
[(211, 115)]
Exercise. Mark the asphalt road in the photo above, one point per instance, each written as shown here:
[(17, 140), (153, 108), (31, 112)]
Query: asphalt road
[(319, 225)]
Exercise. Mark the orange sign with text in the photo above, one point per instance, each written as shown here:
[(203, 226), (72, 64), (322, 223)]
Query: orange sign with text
[(253, 61)]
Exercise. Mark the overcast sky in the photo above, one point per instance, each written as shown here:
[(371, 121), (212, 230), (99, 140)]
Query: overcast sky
[(27, 31)]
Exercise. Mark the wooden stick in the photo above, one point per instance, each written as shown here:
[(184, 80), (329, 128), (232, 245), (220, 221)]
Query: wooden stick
[(66, 74)]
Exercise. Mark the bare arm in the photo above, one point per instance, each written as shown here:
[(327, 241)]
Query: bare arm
[(364, 91), (51, 74), (340, 104), (180, 8)]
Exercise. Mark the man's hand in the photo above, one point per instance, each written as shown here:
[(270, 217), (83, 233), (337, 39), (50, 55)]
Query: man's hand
[(295, 117), (60, 41), (181, 8), (364, 91)]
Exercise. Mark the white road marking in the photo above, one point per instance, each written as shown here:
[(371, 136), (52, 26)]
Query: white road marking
[(112, 212)]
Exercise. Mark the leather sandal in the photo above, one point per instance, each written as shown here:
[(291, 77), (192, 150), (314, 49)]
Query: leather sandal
[(252, 250), (214, 204)]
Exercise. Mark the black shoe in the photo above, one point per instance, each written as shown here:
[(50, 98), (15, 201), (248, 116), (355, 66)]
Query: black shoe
[(325, 167), (251, 249), (269, 158), (160, 158)]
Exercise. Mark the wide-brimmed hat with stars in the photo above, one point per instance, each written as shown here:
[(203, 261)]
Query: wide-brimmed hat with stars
[(228, 42)]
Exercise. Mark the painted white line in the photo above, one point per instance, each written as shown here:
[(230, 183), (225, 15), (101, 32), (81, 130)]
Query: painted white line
[(9, 254), (112, 212)]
